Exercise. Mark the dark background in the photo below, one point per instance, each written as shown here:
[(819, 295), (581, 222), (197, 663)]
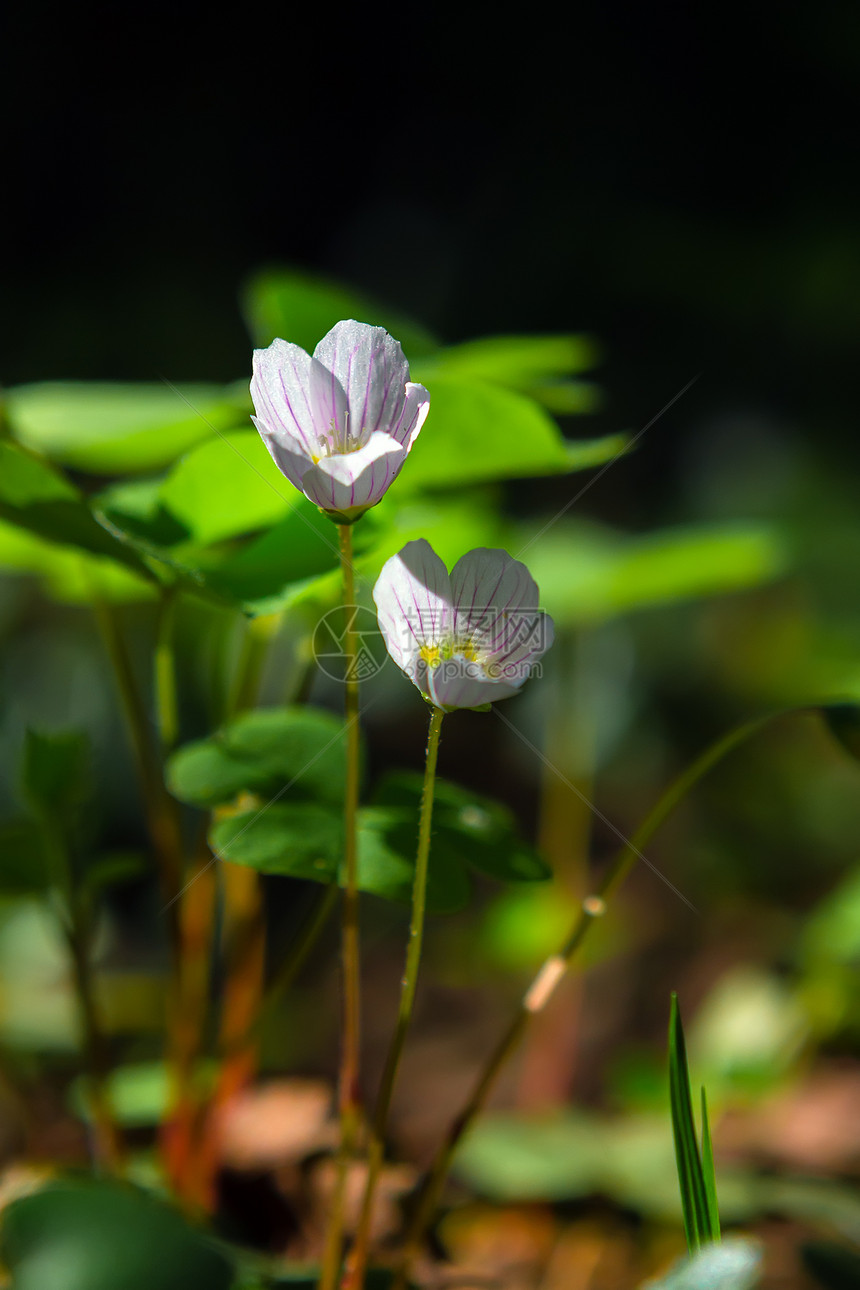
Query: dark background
[(681, 183)]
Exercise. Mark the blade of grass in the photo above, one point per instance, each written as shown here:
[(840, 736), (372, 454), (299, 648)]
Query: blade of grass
[(694, 1200), (709, 1174)]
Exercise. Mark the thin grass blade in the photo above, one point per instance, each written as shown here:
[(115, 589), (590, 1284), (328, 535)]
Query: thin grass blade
[(709, 1174), (694, 1199)]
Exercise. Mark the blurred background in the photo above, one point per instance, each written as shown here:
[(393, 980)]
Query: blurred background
[(679, 189)]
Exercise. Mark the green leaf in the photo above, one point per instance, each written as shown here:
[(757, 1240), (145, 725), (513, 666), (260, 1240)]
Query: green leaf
[(305, 840), (478, 432), (88, 1235), (519, 362), (109, 429), (468, 828), (38, 499), (69, 575), (832, 932), (387, 845), (265, 574), (140, 1095), (694, 1195), (732, 1265), (135, 506), (292, 839), (552, 1156), (586, 574), (262, 752), (228, 486), (301, 308)]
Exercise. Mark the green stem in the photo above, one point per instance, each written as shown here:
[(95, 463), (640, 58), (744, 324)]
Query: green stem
[(74, 915), (248, 674), (107, 1143), (161, 813), (349, 1096), (551, 973), (358, 1258), (166, 706)]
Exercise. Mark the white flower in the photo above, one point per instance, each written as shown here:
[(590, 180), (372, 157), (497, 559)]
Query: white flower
[(339, 424), (465, 639)]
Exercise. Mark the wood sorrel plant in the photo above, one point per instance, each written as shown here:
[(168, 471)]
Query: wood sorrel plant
[(339, 425)]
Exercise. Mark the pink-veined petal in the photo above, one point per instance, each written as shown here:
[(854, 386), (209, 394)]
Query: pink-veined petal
[(288, 454), (295, 397), (413, 601), (456, 683), (416, 405), (350, 481), (370, 366), (494, 595)]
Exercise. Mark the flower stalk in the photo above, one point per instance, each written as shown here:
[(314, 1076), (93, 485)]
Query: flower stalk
[(349, 1101), (354, 1278)]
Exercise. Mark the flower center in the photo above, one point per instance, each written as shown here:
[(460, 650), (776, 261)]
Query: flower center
[(433, 655), (338, 440)]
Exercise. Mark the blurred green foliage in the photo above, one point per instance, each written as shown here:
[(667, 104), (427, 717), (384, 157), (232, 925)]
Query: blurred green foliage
[(125, 498)]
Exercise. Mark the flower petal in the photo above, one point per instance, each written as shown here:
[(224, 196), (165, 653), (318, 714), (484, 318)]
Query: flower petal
[(352, 481), (413, 599), (490, 591), (416, 405), (456, 683), (288, 454), (295, 397), (370, 366)]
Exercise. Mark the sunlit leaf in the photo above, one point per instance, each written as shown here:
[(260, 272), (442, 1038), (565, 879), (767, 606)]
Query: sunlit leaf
[(69, 575), (301, 308), (227, 486), (92, 1235), (39, 499), (586, 574), (477, 432), (519, 362), (107, 428)]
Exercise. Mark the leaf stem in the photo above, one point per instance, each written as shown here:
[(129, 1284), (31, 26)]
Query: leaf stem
[(161, 813), (354, 1278), (348, 1093), (551, 973), (107, 1143)]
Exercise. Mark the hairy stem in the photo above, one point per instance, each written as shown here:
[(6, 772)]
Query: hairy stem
[(348, 1092), (358, 1258)]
